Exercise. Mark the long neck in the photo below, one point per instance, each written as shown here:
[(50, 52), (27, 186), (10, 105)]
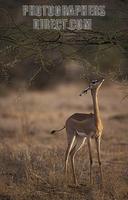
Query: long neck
[(96, 108)]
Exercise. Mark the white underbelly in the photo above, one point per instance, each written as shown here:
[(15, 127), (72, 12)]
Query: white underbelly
[(84, 134)]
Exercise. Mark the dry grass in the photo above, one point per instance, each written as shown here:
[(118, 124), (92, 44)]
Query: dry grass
[(32, 160)]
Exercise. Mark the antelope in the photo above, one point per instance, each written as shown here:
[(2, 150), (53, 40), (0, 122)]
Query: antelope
[(81, 126)]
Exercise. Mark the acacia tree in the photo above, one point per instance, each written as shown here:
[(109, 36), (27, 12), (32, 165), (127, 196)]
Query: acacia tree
[(103, 49)]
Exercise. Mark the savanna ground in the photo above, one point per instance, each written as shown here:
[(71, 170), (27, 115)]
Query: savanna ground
[(32, 160)]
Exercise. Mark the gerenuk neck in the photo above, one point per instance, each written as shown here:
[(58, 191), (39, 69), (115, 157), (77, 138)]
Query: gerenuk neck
[(98, 122)]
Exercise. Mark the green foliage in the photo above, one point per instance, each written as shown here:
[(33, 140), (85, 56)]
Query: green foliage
[(104, 51)]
